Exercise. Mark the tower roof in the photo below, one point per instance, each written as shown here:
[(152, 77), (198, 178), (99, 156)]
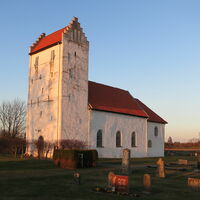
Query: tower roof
[(55, 38)]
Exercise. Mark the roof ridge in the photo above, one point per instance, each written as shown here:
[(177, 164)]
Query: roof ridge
[(110, 86)]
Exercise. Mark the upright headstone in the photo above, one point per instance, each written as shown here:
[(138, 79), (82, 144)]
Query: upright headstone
[(147, 181), (182, 162), (194, 183), (110, 179), (160, 168), (198, 160), (126, 161)]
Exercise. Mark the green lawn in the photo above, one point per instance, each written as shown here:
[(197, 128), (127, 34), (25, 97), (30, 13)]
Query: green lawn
[(39, 179)]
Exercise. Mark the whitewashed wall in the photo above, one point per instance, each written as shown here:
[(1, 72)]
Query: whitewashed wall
[(157, 149), (43, 98), (110, 123), (75, 89)]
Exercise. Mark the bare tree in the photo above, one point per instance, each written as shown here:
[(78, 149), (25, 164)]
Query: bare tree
[(12, 118)]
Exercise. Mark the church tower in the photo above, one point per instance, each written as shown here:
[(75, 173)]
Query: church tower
[(58, 86)]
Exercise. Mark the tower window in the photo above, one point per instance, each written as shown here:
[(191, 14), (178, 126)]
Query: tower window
[(75, 53), (149, 143), (40, 113), (156, 131), (99, 138), (36, 64), (42, 90), (52, 55), (118, 139), (68, 57)]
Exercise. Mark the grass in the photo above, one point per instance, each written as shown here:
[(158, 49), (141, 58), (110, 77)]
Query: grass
[(39, 179)]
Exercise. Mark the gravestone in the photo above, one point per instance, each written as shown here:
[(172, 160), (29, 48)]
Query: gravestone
[(110, 179), (182, 162), (198, 160), (77, 178), (118, 183), (126, 161), (194, 183), (160, 168), (147, 181)]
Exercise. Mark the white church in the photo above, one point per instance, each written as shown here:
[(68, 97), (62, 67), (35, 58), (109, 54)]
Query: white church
[(64, 104)]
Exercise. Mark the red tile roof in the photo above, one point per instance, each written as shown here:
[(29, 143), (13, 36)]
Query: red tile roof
[(48, 41), (106, 98), (153, 117)]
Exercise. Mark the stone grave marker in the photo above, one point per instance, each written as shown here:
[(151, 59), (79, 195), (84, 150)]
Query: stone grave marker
[(77, 178), (118, 183), (147, 181), (110, 179), (160, 168), (194, 183), (126, 161), (182, 162), (198, 160)]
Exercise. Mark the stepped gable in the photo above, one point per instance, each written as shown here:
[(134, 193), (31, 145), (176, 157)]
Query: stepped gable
[(73, 31), (110, 99), (153, 117)]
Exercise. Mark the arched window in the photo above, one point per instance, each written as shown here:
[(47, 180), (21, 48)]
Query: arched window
[(118, 139), (156, 131), (99, 138), (149, 143), (133, 139)]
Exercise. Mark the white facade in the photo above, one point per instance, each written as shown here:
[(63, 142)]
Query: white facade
[(43, 102), (110, 124), (157, 140)]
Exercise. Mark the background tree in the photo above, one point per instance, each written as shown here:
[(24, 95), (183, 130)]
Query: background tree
[(12, 118)]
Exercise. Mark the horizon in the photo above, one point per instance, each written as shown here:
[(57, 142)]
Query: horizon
[(150, 49)]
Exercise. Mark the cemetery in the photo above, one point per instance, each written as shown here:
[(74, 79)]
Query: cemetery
[(125, 178)]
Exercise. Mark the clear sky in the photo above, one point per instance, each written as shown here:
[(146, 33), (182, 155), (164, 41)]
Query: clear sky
[(149, 47)]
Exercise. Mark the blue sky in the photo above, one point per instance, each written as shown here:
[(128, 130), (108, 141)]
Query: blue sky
[(149, 47)]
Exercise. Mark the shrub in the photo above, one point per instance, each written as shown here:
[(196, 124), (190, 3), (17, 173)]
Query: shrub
[(72, 159)]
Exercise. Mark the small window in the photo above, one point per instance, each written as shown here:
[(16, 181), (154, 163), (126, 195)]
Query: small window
[(133, 139), (52, 55), (36, 64), (42, 90), (69, 57), (36, 61), (149, 143), (156, 131), (38, 101), (40, 113), (71, 73), (75, 53), (118, 139), (75, 35), (99, 138)]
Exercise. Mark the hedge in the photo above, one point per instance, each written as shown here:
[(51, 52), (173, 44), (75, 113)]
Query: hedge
[(70, 159)]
